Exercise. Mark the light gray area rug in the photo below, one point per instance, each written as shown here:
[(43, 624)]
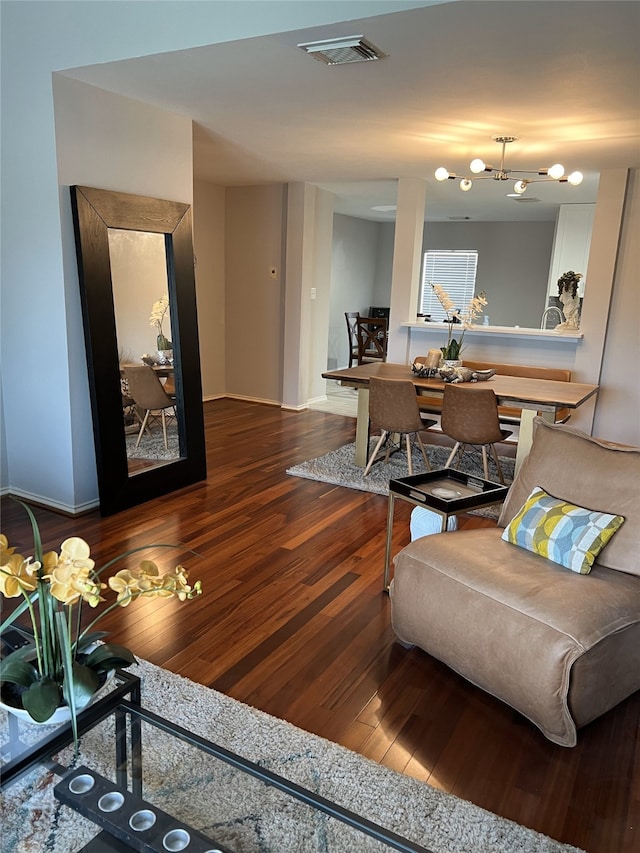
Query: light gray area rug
[(338, 467), (152, 443), (245, 815)]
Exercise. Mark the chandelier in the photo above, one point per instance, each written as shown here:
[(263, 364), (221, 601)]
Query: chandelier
[(478, 166)]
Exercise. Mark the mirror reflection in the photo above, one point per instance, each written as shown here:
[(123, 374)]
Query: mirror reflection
[(145, 352)]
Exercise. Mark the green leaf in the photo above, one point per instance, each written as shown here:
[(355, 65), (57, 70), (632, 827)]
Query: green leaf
[(18, 671), (37, 542), (85, 682), (90, 639), (42, 699), (109, 656)]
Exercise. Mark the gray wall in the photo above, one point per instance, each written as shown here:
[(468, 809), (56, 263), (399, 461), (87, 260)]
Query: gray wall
[(353, 280), (513, 264)]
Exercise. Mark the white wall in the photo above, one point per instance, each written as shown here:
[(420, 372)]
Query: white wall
[(617, 415), (209, 229), (254, 299), (353, 280), (139, 279)]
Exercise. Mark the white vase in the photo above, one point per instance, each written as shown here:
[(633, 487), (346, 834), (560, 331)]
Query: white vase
[(62, 714), (452, 362)]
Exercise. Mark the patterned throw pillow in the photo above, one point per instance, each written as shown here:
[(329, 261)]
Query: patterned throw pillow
[(562, 532)]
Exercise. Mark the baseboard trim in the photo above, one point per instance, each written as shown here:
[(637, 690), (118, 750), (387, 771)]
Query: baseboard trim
[(47, 503), (252, 399)]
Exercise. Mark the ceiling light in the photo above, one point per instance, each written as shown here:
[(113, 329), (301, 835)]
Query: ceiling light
[(339, 51), (501, 173), (385, 208)]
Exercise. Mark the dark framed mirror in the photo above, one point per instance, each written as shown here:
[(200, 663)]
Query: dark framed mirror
[(126, 243)]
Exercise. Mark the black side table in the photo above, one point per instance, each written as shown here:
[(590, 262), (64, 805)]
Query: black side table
[(445, 492)]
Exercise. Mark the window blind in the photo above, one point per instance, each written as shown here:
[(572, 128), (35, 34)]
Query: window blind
[(455, 271)]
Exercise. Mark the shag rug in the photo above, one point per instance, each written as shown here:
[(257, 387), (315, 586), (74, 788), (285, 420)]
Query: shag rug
[(152, 443), (243, 814), (338, 467)]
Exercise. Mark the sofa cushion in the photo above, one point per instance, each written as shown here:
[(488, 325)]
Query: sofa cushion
[(569, 535), (588, 472), (515, 624)]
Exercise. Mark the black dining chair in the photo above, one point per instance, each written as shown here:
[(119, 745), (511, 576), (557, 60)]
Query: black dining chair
[(352, 330), (373, 334)]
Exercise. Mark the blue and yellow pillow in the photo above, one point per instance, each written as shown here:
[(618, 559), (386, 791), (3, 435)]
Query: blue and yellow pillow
[(562, 532)]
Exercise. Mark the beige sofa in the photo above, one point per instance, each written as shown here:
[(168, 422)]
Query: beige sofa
[(561, 648)]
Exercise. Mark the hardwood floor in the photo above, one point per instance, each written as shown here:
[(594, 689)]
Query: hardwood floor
[(293, 620)]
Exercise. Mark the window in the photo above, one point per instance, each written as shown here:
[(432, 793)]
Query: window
[(455, 271)]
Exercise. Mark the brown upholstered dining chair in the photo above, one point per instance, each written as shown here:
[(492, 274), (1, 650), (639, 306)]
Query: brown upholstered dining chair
[(393, 407), (470, 417), (146, 390)]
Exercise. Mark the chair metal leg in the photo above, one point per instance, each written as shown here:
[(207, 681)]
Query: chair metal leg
[(375, 452), (164, 429), (144, 424), (485, 461), (452, 455), (498, 465), (424, 452), (409, 460)]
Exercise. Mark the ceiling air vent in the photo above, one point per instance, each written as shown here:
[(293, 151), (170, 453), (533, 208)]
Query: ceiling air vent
[(342, 50)]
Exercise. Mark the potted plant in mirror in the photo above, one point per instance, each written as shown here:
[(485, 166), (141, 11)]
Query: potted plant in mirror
[(158, 313), (451, 351), (58, 672)]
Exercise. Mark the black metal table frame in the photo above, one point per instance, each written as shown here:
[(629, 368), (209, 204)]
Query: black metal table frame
[(115, 703), (40, 753), (139, 715), (407, 489)]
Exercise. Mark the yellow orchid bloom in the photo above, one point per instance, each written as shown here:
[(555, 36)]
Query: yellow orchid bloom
[(76, 552), (17, 575), (5, 551), (68, 584), (126, 585)]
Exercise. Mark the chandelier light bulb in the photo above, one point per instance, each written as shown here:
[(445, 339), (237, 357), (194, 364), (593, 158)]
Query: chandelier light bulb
[(556, 172), (479, 171)]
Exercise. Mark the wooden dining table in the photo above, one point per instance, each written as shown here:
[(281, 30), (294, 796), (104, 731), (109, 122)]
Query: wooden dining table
[(533, 396)]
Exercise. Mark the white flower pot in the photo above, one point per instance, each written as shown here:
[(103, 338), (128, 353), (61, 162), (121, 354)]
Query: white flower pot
[(62, 714)]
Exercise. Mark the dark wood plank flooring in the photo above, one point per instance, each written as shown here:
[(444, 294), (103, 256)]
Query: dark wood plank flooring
[(293, 620)]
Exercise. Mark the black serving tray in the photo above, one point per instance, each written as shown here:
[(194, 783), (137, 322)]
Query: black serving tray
[(466, 490)]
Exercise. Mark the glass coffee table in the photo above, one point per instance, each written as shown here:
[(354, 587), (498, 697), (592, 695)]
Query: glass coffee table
[(144, 783)]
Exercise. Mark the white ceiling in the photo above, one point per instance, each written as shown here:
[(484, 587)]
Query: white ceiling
[(564, 77)]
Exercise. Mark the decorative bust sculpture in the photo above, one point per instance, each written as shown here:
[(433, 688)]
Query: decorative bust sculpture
[(568, 295)]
